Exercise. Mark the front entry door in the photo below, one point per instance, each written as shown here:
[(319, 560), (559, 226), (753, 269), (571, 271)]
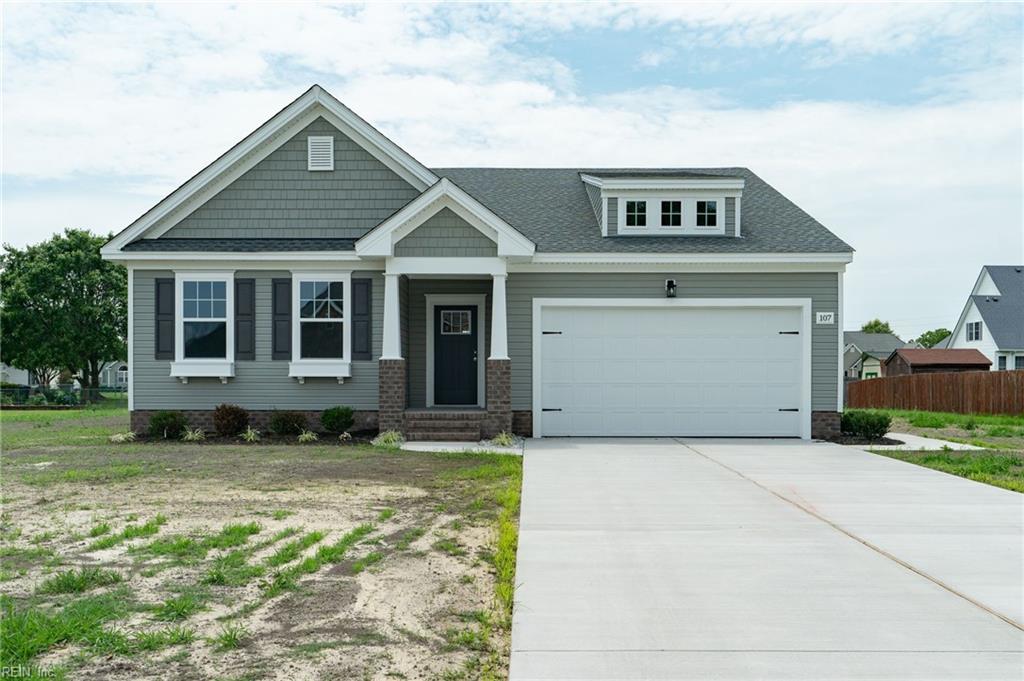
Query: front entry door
[(455, 355)]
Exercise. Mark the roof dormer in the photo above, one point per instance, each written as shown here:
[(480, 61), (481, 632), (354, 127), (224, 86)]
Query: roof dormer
[(665, 205)]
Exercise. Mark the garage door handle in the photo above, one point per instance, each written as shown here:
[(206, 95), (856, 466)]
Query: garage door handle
[(551, 333), (789, 410), (789, 333), (547, 409)]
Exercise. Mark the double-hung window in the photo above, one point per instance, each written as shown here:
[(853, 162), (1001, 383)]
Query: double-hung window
[(204, 332), (321, 325), (1018, 362), (973, 331)]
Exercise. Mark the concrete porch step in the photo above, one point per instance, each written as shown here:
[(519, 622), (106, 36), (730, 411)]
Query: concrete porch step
[(442, 435), (442, 427)]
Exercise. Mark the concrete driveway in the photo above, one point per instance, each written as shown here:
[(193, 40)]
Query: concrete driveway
[(761, 560)]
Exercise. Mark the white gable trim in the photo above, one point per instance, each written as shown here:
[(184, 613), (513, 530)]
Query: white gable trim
[(662, 182), (380, 242), (262, 142)]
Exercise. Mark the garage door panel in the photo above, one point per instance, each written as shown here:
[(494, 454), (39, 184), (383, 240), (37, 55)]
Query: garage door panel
[(671, 371)]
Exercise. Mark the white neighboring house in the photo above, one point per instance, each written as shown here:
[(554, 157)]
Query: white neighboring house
[(992, 321), (9, 374)]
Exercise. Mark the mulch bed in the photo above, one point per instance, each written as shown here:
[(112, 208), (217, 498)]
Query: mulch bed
[(858, 440), (359, 437)]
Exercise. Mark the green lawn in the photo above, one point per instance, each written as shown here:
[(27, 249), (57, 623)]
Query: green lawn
[(1001, 469), (991, 431), (90, 425)]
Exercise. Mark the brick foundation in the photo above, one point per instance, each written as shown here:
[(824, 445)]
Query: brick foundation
[(391, 403), (499, 398), (258, 419), (522, 423), (824, 425)]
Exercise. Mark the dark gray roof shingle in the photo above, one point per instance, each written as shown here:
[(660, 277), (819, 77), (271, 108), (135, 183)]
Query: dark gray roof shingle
[(878, 345), (240, 245), (551, 207), (1004, 314)]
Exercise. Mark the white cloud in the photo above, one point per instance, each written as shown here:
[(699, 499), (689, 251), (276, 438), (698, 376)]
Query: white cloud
[(144, 96)]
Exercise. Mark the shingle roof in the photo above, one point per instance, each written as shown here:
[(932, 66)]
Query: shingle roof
[(878, 345), (550, 206), (1004, 314), (240, 245), (943, 357)]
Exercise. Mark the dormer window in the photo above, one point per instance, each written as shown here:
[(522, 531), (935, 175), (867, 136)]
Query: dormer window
[(671, 213), (707, 213), (636, 213)]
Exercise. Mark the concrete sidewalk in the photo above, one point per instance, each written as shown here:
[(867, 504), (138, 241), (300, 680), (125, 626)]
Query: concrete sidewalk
[(659, 559)]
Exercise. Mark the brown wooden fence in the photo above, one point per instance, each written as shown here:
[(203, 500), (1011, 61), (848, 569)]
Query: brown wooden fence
[(968, 392)]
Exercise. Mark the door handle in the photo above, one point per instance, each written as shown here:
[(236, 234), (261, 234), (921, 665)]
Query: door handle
[(474, 355)]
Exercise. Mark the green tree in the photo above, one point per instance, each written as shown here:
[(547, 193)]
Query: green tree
[(929, 339), (876, 326), (62, 305)]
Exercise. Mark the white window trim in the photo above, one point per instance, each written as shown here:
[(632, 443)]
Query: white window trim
[(302, 368), (689, 208), (480, 301), (194, 367), (314, 139), (978, 336)]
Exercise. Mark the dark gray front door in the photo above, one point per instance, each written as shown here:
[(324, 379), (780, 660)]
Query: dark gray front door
[(455, 350)]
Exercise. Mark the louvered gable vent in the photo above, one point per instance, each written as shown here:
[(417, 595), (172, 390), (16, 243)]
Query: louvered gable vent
[(320, 153)]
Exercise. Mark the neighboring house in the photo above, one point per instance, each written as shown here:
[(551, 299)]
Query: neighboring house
[(864, 352), (9, 374), (933, 360), (992, 320), (316, 263), (114, 375)]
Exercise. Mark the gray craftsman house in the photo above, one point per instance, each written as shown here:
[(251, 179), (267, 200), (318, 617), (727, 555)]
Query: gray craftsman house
[(316, 264)]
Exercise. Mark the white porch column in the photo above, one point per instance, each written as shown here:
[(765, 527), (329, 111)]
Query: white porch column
[(392, 341), (499, 327)]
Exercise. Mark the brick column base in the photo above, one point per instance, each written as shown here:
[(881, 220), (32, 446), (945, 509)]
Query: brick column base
[(499, 398), (391, 400), (824, 425)]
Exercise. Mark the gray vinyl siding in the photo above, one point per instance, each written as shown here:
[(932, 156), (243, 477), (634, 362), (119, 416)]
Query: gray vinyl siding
[(613, 216), (594, 194), (730, 216), (280, 198), (821, 288), (416, 359), (259, 384), (445, 234)]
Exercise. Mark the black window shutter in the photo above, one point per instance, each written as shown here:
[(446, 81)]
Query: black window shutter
[(164, 331), (245, 319), (362, 310), (281, 295)]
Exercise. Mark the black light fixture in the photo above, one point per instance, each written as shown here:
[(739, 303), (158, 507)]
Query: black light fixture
[(670, 288)]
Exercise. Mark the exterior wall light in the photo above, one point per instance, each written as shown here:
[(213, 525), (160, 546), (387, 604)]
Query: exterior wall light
[(670, 288)]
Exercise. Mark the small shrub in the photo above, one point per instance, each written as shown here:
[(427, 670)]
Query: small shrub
[(345, 437), (121, 438), (193, 435), (37, 400), (389, 439), (230, 420), (250, 434), (873, 425), (308, 436), (337, 419), (970, 424), (504, 439), (62, 397), (168, 425), (287, 423)]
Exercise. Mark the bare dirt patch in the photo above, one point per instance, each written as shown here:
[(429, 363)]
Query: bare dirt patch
[(365, 563)]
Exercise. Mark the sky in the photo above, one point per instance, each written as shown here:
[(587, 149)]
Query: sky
[(898, 126)]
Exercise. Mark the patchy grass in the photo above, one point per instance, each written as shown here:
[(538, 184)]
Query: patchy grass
[(293, 549), (179, 608), (147, 529), (91, 425), (230, 637), (1001, 469), (366, 561), (76, 582), (99, 530), (990, 431), (408, 537), (385, 514), (110, 473)]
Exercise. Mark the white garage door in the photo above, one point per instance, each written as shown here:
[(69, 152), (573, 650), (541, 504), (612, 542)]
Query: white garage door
[(729, 371)]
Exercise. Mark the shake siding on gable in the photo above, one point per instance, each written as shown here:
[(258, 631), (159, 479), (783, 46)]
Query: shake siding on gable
[(822, 288), (259, 384), (279, 197), (445, 234)]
